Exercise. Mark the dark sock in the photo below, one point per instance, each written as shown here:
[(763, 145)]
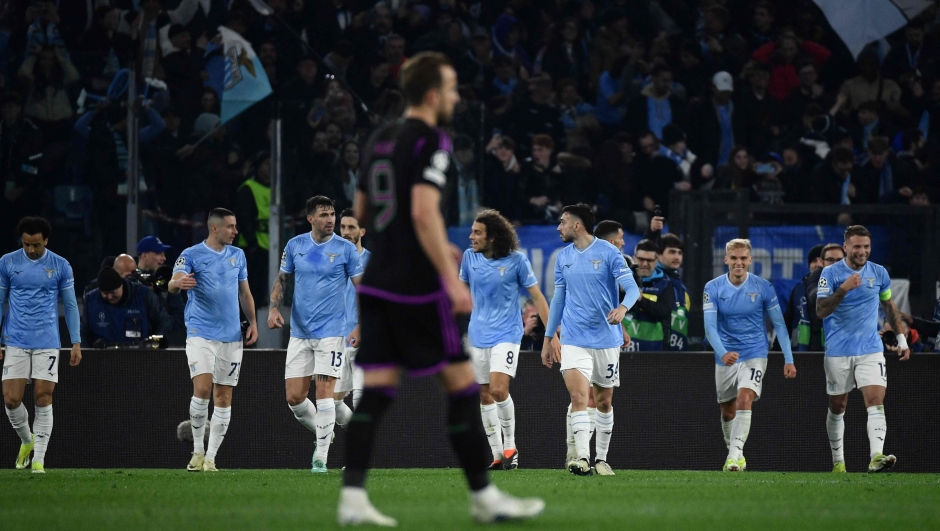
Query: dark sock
[(360, 435), (468, 437)]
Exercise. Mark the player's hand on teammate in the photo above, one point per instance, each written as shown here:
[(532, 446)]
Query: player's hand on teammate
[(251, 335), (789, 370), (185, 282), (730, 358), (854, 281), (275, 320), (616, 315), (76, 357), (354, 337)]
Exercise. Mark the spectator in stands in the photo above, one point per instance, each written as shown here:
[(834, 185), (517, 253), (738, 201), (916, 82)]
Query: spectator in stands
[(832, 178), (506, 42), (504, 77), (501, 177), (538, 202), (395, 54), (370, 31), (44, 28), (570, 103), (121, 312), (870, 124), (348, 164), (339, 59), (761, 29), (48, 75), (715, 126), (376, 80), (565, 55), (615, 173), (807, 93), (574, 176), (783, 56), (760, 112), (102, 50), (613, 93), (476, 66), (656, 106), (209, 102), (534, 115), (533, 329), (254, 210), (21, 147), (795, 177), (881, 177), (722, 48), (869, 85), (331, 22), (320, 174), (217, 165), (691, 71), (738, 173), (609, 41), (914, 57), (184, 66), (467, 196)]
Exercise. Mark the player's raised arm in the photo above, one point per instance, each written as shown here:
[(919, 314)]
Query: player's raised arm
[(182, 275), (828, 299)]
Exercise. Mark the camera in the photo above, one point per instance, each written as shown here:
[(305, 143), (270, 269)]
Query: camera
[(157, 281)]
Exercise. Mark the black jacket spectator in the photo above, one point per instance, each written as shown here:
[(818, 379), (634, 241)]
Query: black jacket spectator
[(704, 130), (135, 317)]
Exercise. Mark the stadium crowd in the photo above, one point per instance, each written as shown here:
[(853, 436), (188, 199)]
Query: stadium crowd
[(613, 103)]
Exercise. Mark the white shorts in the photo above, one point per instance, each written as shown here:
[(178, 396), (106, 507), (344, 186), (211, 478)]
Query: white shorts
[(35, 363), (844, 373), (351, 377), (306, 357), (748, 374), (223, 360), (601, 366), (502, 357)]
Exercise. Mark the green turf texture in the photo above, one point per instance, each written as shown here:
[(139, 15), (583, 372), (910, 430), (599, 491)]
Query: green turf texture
[(163, 500)]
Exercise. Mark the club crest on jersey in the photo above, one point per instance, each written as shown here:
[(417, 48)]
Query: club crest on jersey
[(753, 296), (49, 272), (332, 256), (232, 261), (871, 282), (502, 270), (597, 263)]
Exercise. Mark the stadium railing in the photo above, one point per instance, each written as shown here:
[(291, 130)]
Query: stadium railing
[(121, 409)]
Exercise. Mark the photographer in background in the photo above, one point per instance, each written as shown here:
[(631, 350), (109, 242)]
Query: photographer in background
[(153, 273), (120, 312)]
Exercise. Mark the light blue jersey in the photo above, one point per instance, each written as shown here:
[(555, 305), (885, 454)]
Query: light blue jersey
[(34, 288), (740, 314), (212, 306), (591, 280), (321, 273), (852, 329), (495, 286), (352, 310)]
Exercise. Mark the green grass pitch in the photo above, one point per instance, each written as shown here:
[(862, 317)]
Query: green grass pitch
[(163, 500)]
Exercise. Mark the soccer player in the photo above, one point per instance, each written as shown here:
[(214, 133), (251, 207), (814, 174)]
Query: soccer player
[(496, 271), (735, 305), (407, 305), (587, 275), (35, 278), (831, 253), (215, 274), (352, 376), (322, 265), (847, 300)]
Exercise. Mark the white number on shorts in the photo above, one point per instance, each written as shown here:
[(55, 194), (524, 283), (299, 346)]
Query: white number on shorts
[(52, 362), (613, 369), (337, 359), (756, 375), (234, 368)]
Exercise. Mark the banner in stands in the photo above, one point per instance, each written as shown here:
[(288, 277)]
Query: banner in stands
[(779, 253)]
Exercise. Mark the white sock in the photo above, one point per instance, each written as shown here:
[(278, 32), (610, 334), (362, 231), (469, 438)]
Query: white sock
[(198, 414), (19, 419), (494, 435), (305, 413), (357, 396), (581, 428), (726, 431), (218, 426), (739, 429), (605, 427), (569, 439), (325, 420), (877, 429), (488, 495), (592, 414), (42, 427), (343, 413), (835, 426), (507, 421)]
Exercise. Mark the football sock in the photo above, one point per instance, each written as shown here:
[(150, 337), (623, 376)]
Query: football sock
[(198, 413), (739, 431), (835, 426), (305, 413), (218, 426), (42, 427), (343, 413), (581, 428), (605, 427), (726, 431), (507, 421), (325, 419), (19, 419), (357, 396), (592, 414), (467, 436), (494, 435), (877, 429), (569, 438), (360, 436)]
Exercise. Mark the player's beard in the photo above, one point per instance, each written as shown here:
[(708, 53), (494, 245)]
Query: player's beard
[(353, 239)]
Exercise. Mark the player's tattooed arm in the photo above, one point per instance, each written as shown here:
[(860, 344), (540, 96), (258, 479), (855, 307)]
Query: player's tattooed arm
[(893, 316), (826, 305), (277, 294)]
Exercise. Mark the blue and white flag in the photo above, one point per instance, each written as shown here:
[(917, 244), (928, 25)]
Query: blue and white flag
[(241, 80), (860, 22)]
